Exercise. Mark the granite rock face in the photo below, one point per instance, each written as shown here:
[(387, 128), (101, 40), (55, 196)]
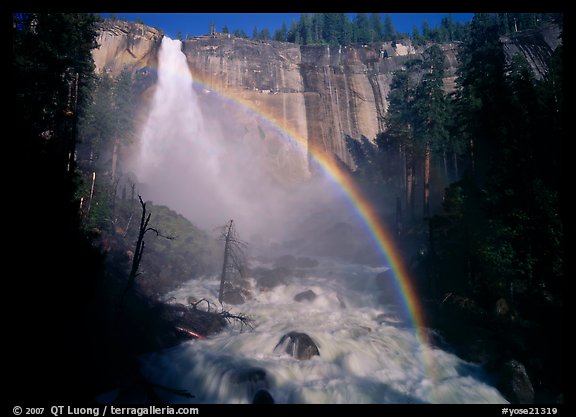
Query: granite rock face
[(320, 94), (124, 44), (280, 92)]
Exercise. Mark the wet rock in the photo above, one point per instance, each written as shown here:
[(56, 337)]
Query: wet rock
[(263, 397), (235, 294), (307, 295), (270, 278), (299, 345), (515, 383)]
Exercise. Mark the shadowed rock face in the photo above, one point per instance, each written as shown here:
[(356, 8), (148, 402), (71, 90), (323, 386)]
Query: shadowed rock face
[(515, 383), (535, 45)]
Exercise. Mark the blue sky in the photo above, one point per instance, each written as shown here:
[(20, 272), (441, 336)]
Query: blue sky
[(199, 23)]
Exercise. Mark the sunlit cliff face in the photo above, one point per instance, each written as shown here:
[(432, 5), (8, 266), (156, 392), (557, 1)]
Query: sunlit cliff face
[(208, 169)]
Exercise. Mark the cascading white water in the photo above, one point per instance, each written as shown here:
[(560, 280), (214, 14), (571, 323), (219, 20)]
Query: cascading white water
[(207, 174), (368, 352)]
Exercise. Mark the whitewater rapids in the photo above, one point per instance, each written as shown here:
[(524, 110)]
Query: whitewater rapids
[(369, 352)]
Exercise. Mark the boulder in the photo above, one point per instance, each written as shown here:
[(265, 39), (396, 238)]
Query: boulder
[(263, 397), (270, 278), (233, 294), (307, 295), (515, 383), (299, 345)]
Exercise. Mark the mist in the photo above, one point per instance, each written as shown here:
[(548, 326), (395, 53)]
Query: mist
[(195, 159)]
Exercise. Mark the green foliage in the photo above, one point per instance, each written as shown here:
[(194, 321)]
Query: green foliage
[(513, 226), (389, 33), (362, 29), (264, 35), (281, 34), (168, 262), (240, 33), (337, 29)]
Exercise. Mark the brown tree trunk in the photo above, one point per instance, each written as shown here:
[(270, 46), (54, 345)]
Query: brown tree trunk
[(427, 180)]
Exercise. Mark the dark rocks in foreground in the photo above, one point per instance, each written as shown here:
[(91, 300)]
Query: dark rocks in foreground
[(307, 295), (263, 397), (515, 384), (299, 345), (270, 278)]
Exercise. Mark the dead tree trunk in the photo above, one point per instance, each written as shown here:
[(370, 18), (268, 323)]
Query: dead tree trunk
[(140, 245), (234, 260), (227, 238)]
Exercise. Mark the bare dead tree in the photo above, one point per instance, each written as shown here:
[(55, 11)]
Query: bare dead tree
[(140, 245), (225, 314), (234, 259)]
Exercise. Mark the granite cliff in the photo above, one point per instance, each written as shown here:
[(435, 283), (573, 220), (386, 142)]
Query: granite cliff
[(319, 93)]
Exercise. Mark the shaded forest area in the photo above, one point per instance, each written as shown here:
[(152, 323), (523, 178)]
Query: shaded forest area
[(490, 264), (85, 297), (490, 246)]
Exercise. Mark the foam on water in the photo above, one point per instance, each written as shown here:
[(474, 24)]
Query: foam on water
[(368, 354)]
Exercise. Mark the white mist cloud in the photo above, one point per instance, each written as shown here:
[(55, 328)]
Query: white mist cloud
[(210, 172)]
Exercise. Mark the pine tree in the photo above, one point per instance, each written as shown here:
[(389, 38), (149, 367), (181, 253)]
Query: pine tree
[(362, 26), (389, 33), (430, 109), (377, 27)]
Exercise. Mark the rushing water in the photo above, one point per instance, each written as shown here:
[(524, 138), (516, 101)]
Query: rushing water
[(369, 352)]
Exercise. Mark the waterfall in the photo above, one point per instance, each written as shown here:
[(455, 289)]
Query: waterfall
[(211, 172), (369, 352)]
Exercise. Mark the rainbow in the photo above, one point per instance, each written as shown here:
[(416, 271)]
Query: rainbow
[(381, 237)]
